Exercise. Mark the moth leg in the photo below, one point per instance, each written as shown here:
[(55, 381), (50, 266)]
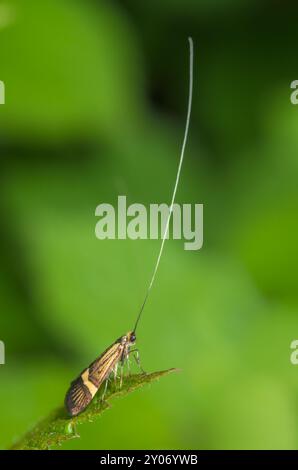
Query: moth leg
[(121, 375), (105, 389), (128, 364), (136, 355), (115, 373)]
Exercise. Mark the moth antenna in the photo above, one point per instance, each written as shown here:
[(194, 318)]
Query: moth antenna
[(176, 182)]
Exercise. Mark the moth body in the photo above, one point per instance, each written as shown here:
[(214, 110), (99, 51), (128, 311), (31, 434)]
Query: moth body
[(83, 389)]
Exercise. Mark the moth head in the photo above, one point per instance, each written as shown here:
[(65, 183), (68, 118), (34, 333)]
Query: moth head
[(131, 337)]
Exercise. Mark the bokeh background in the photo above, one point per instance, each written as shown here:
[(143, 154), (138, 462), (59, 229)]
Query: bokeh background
[(96, 95)]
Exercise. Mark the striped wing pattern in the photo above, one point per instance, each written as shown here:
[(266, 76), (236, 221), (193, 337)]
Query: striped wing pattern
[(83, 389), (78, 397), (100, 369)]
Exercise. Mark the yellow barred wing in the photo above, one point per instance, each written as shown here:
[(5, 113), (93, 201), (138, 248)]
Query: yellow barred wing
[(77, 398), (100, 369), (83, 389)]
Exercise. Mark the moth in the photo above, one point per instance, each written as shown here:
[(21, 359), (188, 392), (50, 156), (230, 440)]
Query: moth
[(83, 389)]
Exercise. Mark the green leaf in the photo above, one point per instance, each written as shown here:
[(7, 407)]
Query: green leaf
[(59, 427)]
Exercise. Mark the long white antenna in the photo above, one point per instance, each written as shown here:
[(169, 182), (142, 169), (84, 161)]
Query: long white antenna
[(177, 178)]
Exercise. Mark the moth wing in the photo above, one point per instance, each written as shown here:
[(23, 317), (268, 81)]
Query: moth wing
[(83, 389), (100, 369), (78, 397)]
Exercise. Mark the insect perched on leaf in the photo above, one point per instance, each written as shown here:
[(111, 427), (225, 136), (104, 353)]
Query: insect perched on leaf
[(83, 389)]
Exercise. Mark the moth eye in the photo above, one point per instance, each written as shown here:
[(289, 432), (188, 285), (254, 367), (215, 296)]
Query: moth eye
[(133, 337)]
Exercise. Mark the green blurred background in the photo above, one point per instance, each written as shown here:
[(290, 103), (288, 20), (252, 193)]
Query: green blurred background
[(96, 96)]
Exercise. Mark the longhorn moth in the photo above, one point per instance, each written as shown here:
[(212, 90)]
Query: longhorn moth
[(83, 389)]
